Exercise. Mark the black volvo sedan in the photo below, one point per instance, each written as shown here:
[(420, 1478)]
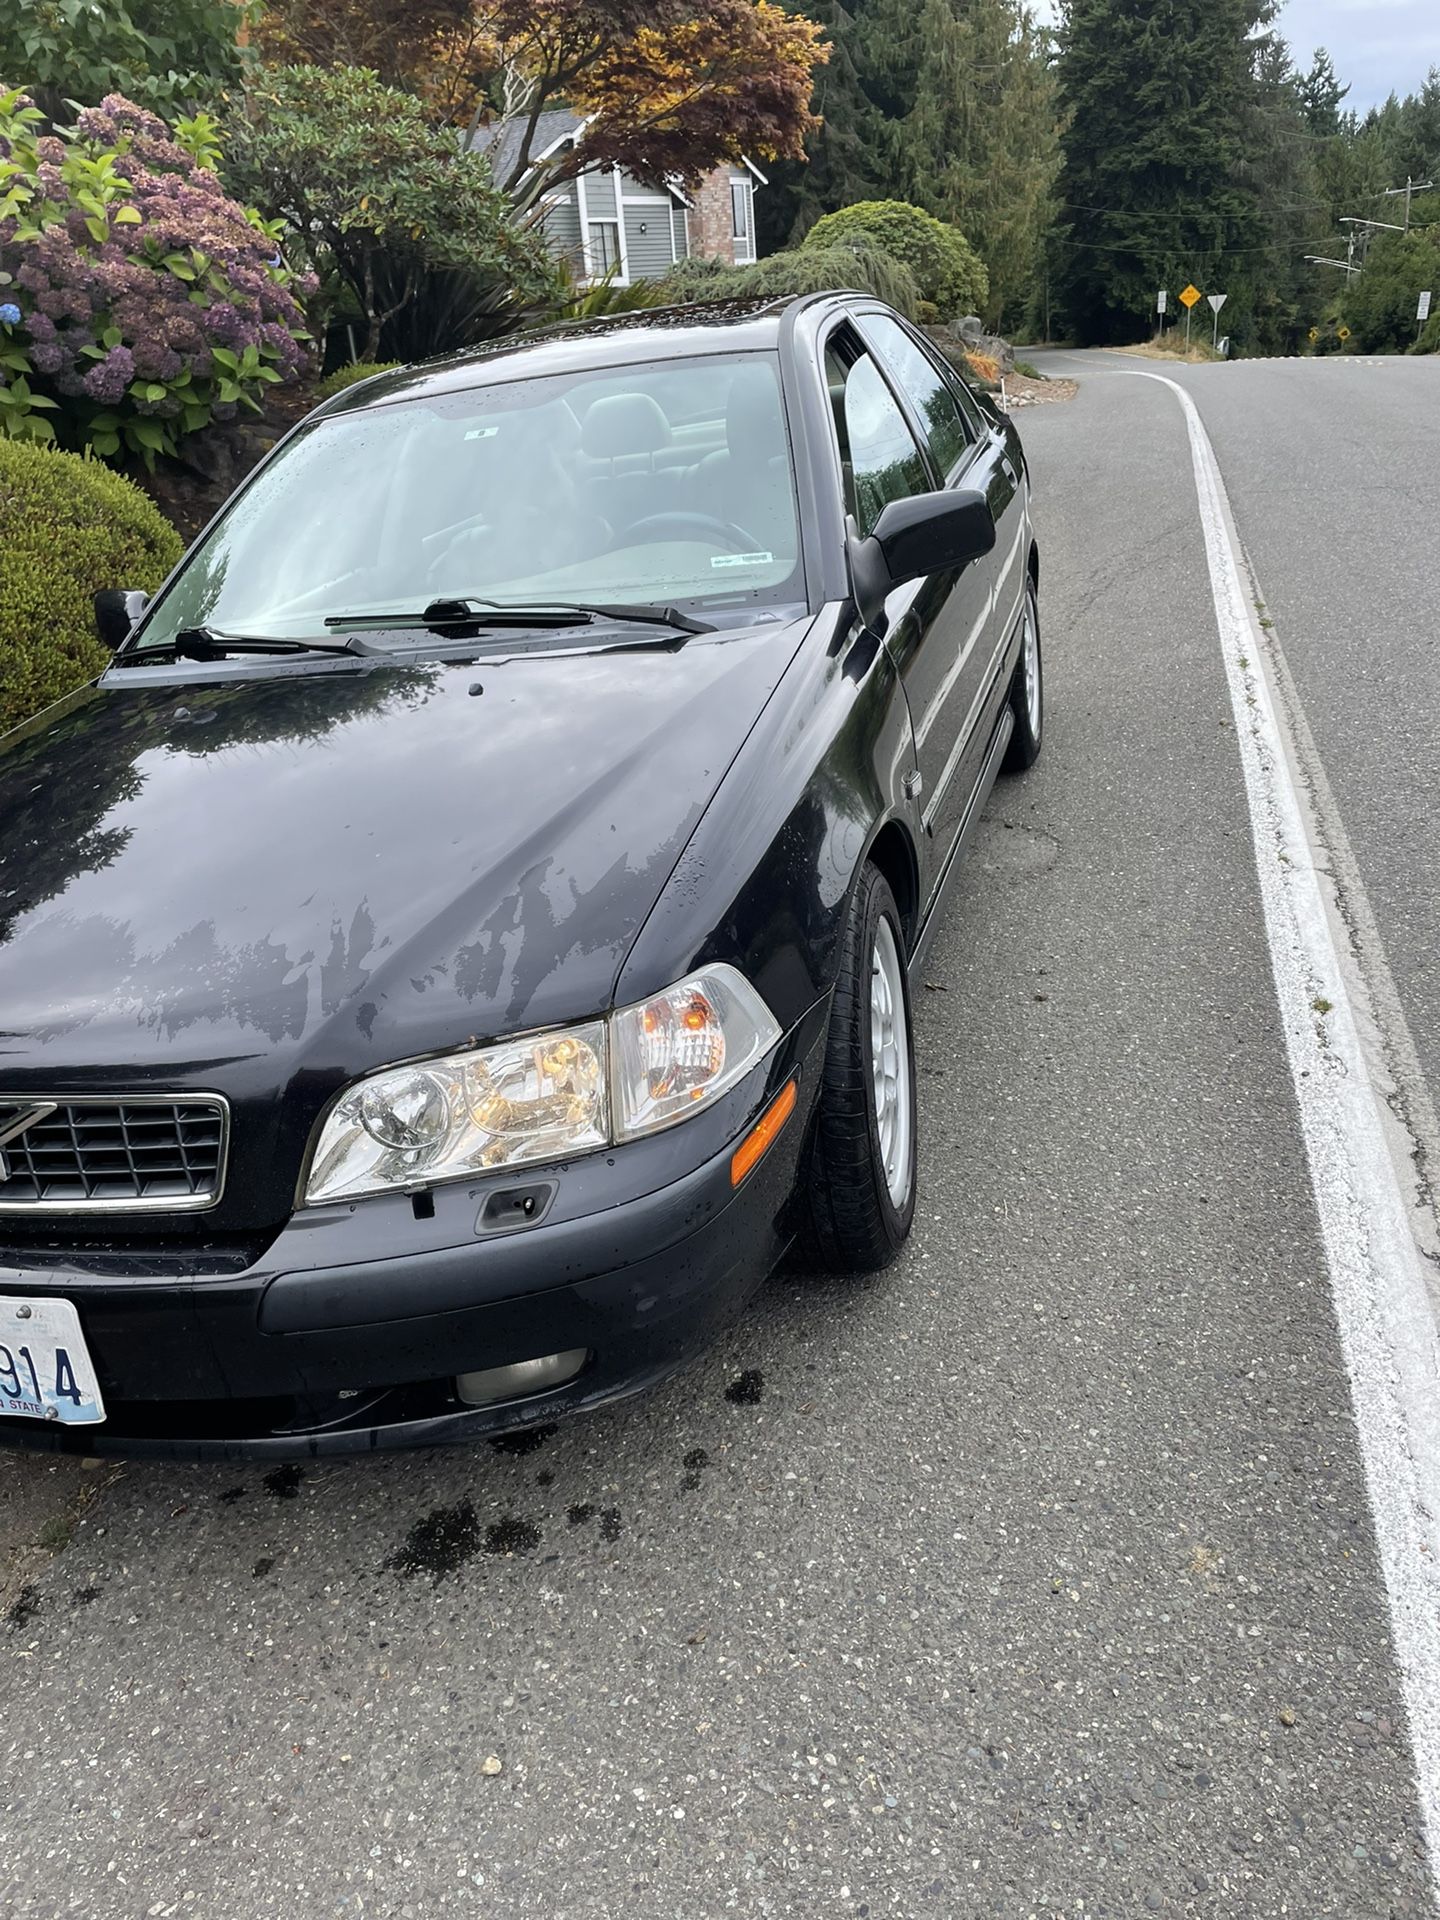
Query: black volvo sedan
[(464, 938)]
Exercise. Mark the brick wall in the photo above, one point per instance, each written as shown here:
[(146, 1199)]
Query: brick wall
[(712, 225)]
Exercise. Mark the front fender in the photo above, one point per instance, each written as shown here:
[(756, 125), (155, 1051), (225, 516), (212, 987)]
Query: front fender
[(766, 876)]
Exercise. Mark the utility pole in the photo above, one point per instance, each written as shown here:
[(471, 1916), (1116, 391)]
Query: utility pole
[(1410, 187)]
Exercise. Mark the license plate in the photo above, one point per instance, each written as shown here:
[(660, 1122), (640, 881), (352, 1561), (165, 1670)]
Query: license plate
[(45, 1368)]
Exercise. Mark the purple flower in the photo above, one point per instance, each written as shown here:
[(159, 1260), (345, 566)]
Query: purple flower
[(77, 289), (108, 378)]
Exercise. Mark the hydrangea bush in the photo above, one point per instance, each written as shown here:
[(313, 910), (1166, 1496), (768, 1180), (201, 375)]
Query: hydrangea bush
[(138, 301)]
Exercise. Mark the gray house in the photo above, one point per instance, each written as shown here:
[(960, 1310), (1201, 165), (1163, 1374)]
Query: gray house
[(605, 222)]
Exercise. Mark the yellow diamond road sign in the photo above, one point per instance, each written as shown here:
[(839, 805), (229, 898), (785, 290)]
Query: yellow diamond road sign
[(1314, 333), (1190, 295), (1343, 334)]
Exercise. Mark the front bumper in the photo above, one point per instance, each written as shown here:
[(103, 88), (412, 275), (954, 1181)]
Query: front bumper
[(348, 1336)]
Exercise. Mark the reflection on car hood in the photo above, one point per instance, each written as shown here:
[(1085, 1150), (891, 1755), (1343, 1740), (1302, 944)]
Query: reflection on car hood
[(346, 864)]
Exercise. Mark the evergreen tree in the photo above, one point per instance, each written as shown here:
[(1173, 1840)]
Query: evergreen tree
[(949, 104), (1160, 96), (844, 156), (1271, 285), (1320, 93), (1350, 174), (1408, 131), (978, 143)]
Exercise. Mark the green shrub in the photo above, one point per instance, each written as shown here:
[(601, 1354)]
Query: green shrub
[(801, 270), (402, 222), (68, 527), (344, 377), (1379, 304), (946, 268)]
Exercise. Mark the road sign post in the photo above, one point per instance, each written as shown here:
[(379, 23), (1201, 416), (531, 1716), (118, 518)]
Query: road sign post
[(1160, 301), (1188, 296), (1217, 300), (1422, 312)]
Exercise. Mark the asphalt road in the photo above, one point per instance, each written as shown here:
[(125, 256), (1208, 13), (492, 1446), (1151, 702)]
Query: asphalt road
[(1036, 1578)]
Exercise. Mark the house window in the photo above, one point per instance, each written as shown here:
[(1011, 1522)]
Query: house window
[(740, 217), (604, 247)]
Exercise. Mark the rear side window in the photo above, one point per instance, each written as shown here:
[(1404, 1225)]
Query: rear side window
[(879, 456), (945, 428)]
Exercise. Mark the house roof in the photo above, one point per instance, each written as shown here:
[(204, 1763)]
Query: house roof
[(502, 141), (558, 124)]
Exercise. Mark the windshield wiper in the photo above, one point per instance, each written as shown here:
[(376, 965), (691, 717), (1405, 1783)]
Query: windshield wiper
[(205, 643), (452, 610)]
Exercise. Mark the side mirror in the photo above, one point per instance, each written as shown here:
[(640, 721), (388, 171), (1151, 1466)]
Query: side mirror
[(116, 611), (926, 533)]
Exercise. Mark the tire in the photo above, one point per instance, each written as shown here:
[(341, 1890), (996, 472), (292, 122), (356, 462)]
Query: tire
[(1024, 748), (858, 1207)]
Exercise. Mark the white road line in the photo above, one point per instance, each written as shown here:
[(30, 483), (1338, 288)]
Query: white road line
[(1387, 1330)]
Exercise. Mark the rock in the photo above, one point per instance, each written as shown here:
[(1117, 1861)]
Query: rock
[(490, 1764), (1287, 1716), (970, 333)]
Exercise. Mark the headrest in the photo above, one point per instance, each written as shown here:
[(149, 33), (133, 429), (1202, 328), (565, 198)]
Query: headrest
[(624, 423), (753, 422)]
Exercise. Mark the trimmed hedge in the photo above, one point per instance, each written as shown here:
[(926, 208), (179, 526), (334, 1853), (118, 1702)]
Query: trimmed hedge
[(801, 270), (68, 527), (344, 377), (946, 267)]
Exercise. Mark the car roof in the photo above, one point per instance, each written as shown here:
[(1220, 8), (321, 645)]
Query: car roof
[(574, 346)]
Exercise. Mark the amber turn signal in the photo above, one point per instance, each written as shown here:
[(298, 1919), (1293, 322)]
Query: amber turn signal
[(763, 1135)]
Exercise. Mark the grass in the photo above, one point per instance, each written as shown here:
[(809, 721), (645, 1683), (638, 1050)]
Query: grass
[(1171, 346), (1028, 372), (57, 1532)]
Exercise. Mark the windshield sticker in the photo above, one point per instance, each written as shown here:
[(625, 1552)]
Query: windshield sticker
[(482, 433), (742, 560)]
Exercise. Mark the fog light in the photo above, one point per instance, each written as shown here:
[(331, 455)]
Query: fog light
[(494, 1384)]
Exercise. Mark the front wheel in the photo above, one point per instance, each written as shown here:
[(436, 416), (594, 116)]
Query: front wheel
[(860, 1180), (1027, 691)]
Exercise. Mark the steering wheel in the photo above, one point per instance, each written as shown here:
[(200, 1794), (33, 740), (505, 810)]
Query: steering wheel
[(673, 526)]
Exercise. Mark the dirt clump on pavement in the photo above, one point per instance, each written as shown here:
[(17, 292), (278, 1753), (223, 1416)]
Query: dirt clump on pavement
[(42, 1497)]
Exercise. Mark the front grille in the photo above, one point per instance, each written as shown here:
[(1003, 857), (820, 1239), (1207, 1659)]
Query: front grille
[(95, 1155)]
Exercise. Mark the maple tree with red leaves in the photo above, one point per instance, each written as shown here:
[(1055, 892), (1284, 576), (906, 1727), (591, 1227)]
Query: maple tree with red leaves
[(665, 88)]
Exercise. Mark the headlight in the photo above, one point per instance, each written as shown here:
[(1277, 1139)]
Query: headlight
[(545, 1096), (535, 1099)]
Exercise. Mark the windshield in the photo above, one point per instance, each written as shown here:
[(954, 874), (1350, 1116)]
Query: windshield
[(664, 482)]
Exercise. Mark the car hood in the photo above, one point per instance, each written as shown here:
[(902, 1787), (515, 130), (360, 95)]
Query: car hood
[(237, 872)]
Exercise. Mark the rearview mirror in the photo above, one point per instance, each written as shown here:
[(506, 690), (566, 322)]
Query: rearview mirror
[(926, 533), (116, 611)]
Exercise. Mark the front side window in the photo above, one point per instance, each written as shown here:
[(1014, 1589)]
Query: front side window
[(925, 387), (667, 481), (879, 456)]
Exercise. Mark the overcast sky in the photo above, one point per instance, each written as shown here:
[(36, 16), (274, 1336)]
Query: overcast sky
[(1378, 46)]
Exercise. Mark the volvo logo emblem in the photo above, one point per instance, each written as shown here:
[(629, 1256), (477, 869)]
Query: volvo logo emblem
[(16, 1117)]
